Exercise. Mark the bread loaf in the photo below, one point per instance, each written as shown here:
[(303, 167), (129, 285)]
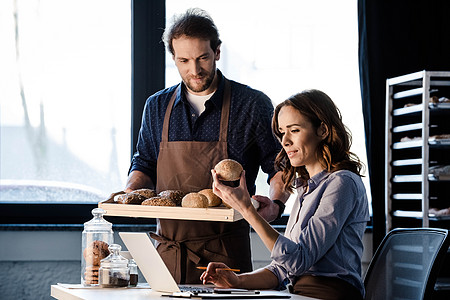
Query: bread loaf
[(174, 195), (195, 200), (213, 199), (130, 198), (147, 193), (159, 201), (228, 170)]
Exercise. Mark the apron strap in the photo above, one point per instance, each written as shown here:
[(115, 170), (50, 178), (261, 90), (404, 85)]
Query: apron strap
[(225, 112), (165, 129), (223, 119)]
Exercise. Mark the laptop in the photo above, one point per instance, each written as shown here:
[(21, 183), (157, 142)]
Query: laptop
[(141, 248), (152, 266)]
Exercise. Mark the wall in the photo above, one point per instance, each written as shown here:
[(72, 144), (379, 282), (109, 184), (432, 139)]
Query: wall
[(31, 261)]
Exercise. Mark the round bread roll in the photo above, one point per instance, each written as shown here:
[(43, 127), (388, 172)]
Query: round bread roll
[(228, 170), (114, 196), (213, 199), (159, 201), (174, 195), (147, 193), (130, 198), (195, 200)]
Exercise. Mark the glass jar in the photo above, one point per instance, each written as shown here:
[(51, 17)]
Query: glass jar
[(114, 270), (96, 238), (133, 272)]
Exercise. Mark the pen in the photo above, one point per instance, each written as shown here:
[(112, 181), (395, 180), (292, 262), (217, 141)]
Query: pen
[(225, 269)]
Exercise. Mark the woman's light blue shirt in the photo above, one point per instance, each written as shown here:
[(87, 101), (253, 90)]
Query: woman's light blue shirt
[(324, 232)]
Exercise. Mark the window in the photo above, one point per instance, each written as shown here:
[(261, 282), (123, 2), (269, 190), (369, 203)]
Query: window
[(284, 47), (65, 93), (65, 82)]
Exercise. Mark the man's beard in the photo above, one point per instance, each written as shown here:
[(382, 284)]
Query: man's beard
[(206, 83)]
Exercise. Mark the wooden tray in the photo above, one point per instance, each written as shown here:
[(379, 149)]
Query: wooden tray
[(220, 213)]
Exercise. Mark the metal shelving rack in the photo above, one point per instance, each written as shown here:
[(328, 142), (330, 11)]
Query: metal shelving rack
[(409, 113)]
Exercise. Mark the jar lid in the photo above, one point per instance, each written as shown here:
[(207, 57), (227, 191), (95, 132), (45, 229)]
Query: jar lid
[(114, 259), (97, 223)]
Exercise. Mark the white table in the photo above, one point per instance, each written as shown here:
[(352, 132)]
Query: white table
[(63, 293)]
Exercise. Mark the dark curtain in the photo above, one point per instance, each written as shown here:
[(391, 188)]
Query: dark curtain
[(396, 37)]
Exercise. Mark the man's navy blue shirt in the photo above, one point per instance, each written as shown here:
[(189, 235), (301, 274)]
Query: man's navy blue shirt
[(250, 138)]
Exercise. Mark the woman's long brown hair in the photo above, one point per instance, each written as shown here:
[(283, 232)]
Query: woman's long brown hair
[(333, 152)]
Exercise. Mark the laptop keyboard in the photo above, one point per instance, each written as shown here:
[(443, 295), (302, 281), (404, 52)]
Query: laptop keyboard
[(196, 289)]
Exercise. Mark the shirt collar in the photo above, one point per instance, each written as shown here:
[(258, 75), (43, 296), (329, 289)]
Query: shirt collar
[(312, 182), (215, 99)]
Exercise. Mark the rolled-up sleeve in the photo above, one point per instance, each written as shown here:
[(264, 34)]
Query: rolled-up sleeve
[(277, 269), (145, 157)]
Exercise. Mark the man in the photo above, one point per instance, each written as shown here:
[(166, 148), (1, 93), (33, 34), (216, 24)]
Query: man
[(186, 130)]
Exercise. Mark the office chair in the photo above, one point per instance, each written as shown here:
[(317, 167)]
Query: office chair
[(406, 264)]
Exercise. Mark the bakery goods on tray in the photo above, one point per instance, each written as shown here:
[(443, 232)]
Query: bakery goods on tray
[(228, 170), (159, 201), (205, 198), (175, 195), (129, 198), (113, 196), (213, 199), (195, 200), (147, 193)]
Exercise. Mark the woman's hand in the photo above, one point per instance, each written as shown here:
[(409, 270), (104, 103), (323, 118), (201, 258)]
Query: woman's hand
[(216, 275), (236, 197)]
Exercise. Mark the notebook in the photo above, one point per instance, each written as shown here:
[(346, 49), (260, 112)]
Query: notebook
[(159, 278)]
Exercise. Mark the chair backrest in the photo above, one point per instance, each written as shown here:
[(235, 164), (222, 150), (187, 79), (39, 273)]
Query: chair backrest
[(406, 264)]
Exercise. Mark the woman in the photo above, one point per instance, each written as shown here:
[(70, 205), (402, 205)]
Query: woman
[(320, 253)]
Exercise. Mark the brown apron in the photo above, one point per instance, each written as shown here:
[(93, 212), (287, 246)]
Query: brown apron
[(327, 288), (185, 244)]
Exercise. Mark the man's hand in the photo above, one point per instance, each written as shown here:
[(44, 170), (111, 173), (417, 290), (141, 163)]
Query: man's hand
[(267, 209), (138, 180)]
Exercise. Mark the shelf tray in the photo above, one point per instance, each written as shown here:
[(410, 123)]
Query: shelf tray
[(418, 143), (418, 108), (407, 110), (439, 142), (407, 162), (407, 196), (419, 215), (220, 213), (418, 178), (440, 105), (433, 177), (407, 178)]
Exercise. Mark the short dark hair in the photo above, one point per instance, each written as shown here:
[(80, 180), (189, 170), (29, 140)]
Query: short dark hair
[(195, 23)]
